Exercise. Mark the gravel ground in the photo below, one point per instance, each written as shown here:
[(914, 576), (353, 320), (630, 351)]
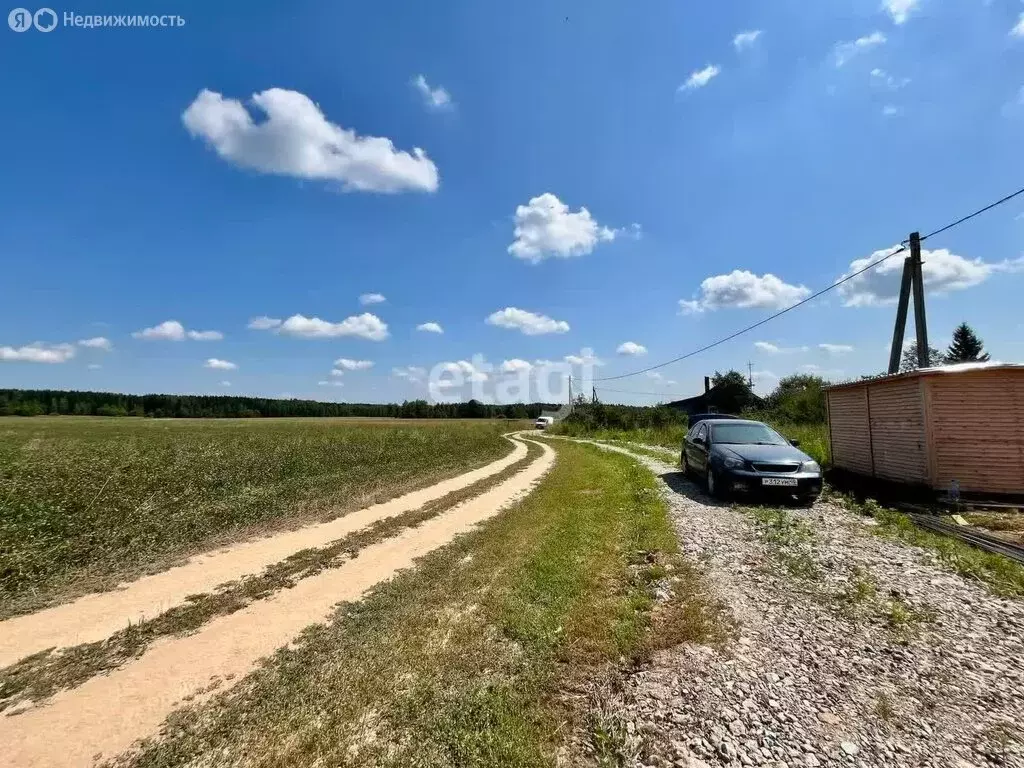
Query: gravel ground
[(851, 650)]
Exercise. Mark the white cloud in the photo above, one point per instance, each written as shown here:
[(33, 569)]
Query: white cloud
[(38, 352), (700, 78), (545, 227), (337, 372), (172, 330), (585, 357), (297, 140), (846, 51), (353, 365), (890, 110), (881, 77), (435, 98), (1018, 29), (461, 367), (943, 272), (94, 366), (527, 322), (372, 298), (412, 373), (900, 10), (220, 365), (330, 384), (205, 335), (364, 326), (430, 327), (825, 373), (264, 323), (746, 39), (516, 366), (836, 349), (741, 289), (773, 349), (97, 342), (631, 348), (225, 383), (168, 330)]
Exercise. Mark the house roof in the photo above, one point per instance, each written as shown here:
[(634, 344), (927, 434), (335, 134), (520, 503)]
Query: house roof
[(940, 370)]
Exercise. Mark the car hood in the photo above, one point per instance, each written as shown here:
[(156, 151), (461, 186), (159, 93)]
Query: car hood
[(768, 454)]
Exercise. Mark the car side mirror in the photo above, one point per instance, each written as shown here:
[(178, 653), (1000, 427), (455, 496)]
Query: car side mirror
[(795, 443)]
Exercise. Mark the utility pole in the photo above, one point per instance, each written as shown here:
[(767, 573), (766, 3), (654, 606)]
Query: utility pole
[(920, 321), (750, 374), (593, 395), (570, 389), (913, 279), (901, 318)]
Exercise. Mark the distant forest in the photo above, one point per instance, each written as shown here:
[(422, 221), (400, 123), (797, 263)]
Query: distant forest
[(41, 402)]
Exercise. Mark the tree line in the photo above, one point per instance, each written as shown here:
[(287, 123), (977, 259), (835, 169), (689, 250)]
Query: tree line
[(41, 402)]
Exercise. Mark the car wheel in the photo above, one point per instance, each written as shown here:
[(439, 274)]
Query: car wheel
[(806, 501), (711, 481), (684, 464)]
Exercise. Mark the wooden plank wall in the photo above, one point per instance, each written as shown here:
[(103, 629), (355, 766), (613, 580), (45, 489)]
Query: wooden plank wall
[(977, 426), (898, 430), (851, 444)]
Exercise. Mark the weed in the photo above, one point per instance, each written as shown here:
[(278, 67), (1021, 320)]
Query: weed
[(859, 593), (884, 709), (789, 538)]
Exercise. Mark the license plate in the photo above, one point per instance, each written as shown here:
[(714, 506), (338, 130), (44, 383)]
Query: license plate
[(788, 482)]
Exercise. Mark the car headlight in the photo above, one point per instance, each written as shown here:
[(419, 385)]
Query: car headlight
[(810, 466), (731, 463)]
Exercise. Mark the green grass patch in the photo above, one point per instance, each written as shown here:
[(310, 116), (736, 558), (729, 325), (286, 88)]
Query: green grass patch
[(667, 437), (461, 661), (85, 502), (790, 540)]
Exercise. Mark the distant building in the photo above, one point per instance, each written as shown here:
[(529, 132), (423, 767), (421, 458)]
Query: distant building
[(704, 403)]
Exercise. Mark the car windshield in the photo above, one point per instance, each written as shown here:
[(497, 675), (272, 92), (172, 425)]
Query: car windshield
[(749, 434)]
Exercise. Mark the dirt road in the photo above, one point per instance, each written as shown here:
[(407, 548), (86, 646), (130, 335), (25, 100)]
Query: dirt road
[(105, 715)]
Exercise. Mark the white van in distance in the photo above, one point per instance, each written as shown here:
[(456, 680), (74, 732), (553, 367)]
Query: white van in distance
[(544, 422)]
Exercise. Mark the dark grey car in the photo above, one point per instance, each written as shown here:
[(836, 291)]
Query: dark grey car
[(748, 457)]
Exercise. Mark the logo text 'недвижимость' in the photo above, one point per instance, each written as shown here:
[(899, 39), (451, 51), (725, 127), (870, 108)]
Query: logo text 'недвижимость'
[(47, 20)]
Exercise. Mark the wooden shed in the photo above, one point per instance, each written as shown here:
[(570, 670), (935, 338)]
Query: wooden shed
[(929, 427)]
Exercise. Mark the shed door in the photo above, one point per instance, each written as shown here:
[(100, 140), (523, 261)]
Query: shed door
[(978, 430), (848, 419), (897, 429)]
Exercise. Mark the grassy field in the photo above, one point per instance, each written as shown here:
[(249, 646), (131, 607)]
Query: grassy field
[(464, 660), (813, 437), (86, 501)]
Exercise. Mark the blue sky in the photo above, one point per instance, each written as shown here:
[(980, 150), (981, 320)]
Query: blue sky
[(588, 174)]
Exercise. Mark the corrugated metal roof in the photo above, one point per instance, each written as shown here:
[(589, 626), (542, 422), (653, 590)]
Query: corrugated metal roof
[(938, 370)]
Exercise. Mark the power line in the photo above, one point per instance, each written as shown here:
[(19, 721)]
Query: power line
[(978, 212), (900, 249), (758, 324), (652, 394)]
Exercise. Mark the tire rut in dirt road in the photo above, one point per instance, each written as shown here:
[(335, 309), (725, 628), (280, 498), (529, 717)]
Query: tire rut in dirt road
[(97, 616), (106, 715)]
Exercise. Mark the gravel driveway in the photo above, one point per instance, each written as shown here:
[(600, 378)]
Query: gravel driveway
[(851, 650)]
